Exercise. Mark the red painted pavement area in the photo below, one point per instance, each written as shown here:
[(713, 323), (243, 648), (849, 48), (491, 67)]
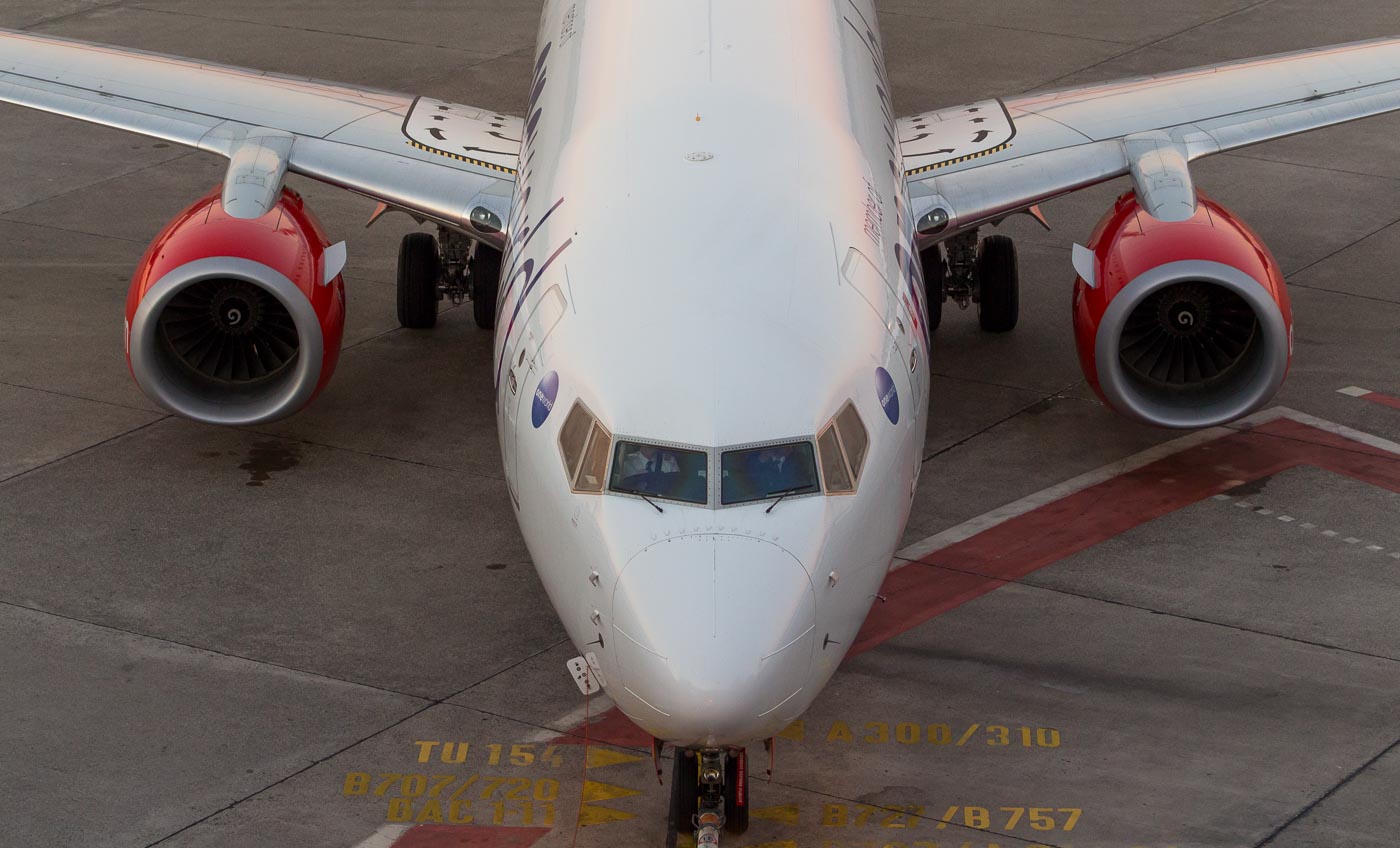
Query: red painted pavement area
[(1021, 545), (470, 836), (1383, 400)]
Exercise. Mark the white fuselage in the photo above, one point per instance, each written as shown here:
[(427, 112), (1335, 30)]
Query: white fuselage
[(709, 247)]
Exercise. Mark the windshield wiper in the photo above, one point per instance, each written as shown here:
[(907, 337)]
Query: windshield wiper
[(783, 493), (650, 501)]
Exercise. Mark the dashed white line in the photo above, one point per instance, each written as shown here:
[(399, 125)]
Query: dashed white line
[(1354, 391), (1304, 525)]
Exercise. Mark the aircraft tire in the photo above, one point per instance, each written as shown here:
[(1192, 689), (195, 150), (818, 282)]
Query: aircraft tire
[(419, 270), (998, 285), (736, 815), (486, 283), (934, 272), (685, 792)]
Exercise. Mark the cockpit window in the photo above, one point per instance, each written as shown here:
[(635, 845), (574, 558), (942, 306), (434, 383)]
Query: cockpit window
[(584, 445), (759, 473), (661, 472), (843, 446), (853, 438)]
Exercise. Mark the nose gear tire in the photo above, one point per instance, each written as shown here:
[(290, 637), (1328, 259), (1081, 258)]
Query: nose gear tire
[(685, 792), (420, 269)]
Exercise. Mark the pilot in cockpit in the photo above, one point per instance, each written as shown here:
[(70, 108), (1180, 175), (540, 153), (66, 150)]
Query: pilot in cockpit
[(644, 459), (772, 471)]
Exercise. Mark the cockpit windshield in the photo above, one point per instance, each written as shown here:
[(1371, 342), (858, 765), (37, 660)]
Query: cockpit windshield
[(660, 472), (772, 471)]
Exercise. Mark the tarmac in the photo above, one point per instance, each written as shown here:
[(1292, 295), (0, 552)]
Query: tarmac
[(328, 632)]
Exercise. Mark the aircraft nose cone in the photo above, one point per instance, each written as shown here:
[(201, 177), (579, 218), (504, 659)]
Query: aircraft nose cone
[(713, 637)]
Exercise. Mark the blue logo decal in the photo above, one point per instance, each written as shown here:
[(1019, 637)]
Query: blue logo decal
[(889, 395), (545, 393)]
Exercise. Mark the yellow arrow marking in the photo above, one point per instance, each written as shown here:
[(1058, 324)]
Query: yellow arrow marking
[(602, 757), (786, 814), (594, 791), (589, 816)]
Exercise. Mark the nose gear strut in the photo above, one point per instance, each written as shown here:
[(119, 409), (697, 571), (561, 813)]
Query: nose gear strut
[(709, 794)]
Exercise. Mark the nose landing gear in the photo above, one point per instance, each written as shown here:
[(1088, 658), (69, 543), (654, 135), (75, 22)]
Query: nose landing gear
[(709, 794)]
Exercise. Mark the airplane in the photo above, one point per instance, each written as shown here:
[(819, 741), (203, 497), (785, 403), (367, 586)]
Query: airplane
[(713, 258)]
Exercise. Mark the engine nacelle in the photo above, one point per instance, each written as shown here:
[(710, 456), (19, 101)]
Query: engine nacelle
[(233, 321), (1185, 324)]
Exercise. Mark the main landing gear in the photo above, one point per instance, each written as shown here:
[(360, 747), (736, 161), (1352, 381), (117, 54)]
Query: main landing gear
[(453, 266), (968, 270), (709, 794)]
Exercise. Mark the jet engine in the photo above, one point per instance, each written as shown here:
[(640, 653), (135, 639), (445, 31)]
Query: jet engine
[(1180, 324), (237, 321)]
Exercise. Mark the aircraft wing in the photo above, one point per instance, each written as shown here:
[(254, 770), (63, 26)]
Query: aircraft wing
[(973, 164), (433, 159)]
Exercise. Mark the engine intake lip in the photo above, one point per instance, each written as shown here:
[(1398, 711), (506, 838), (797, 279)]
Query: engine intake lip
[(167, 378), (1239, 389)]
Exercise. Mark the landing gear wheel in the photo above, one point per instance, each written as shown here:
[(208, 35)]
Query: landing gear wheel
[(934, 273), (736, 793), (486, 282), (998, 285), (685, 792), (420, 270)]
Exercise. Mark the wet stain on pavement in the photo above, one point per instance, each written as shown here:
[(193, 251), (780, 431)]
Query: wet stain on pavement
[(1252, 488), (268, 458)]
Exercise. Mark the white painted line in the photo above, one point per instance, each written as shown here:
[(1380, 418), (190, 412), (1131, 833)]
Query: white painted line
[(1224, 497), (1354, 391), (1395, 555), (1286, 519), (592, 708), (385, 836), (1263, 511), (1351, 540), (1374, 548), (1244, 504), (1338, 430), (1308, 525), (1329, 532), (1015, 509)]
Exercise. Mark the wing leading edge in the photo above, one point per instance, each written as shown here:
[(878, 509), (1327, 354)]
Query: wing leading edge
[(434, 159), (1035, 147)]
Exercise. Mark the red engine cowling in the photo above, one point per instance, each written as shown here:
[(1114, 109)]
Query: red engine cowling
[(1185, 324), (233, 321)]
